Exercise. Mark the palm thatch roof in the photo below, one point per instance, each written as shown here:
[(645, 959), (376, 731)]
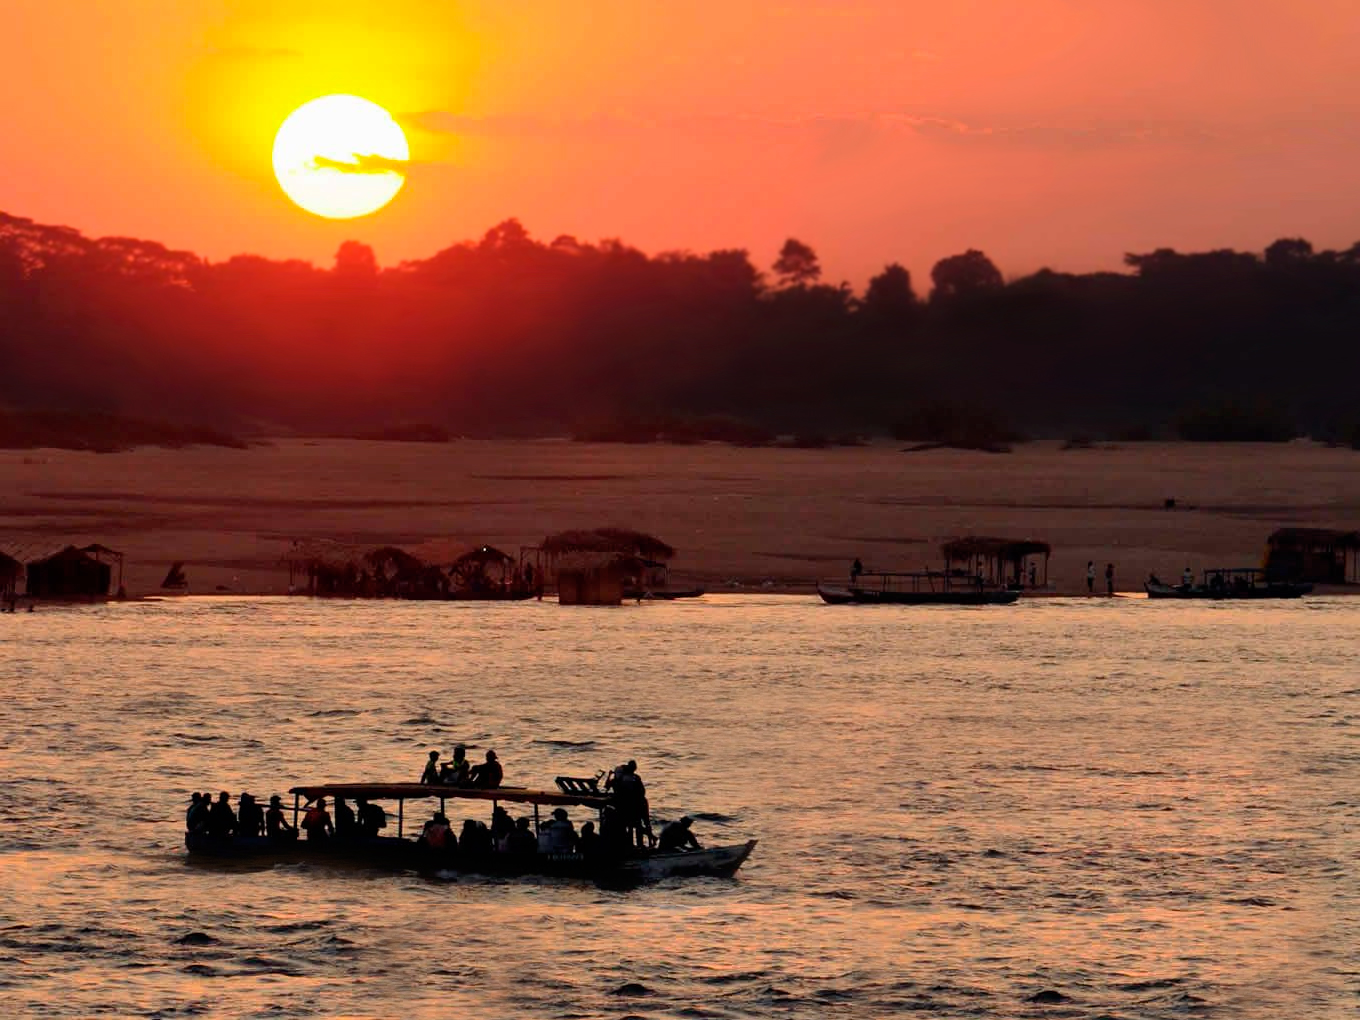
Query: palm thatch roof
[(399, 560), (9, 566), (620, 541), (996, 548), (1296, 538), (324, 554), (483, 554)]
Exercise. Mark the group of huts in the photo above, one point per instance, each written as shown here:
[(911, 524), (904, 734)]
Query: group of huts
[(63, 573), (600, 566)]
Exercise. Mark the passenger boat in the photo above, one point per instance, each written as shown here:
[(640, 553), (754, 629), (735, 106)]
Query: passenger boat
[(1229, 583), (923, 588), (403, 853)]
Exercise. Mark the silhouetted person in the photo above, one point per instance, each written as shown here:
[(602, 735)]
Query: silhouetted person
[(372, 818), (856, 569), (588, 842), (559, 835), (501, 826), (346, 825), (437, 835), (455, 773), (1109, 579), (275, 825), (1033, 576), (249, 817), (196, 818), (317, 822), (1090, 577), (522, 839), (475, 839), (221, 819), (677, 836), (1187, 578), (487, 775), (431, 773)]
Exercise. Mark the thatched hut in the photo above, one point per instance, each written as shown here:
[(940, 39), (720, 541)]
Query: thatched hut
[(1001, 561), (322, 567), (593, 567), (1320, 555), (73, 573)]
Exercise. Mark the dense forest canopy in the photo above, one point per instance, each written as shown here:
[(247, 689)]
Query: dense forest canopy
[(512, 335)]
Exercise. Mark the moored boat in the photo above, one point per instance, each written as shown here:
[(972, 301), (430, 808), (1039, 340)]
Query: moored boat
[(1229, 583), (626, 867), (923, 588)]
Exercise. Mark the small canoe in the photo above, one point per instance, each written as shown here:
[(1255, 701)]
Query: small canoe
[(838, 596)]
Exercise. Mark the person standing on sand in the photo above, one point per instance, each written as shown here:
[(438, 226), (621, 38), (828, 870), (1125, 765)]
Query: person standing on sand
[(1109, 579), (1090, 577)]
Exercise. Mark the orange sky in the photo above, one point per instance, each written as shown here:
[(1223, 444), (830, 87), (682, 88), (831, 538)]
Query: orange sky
[(1046, 132)]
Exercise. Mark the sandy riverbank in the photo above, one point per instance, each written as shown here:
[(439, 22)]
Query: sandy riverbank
[(740, 518)]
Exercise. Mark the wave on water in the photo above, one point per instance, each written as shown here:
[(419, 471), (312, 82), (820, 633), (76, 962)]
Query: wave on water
[(327, 713), (419, 720), (553, 742)]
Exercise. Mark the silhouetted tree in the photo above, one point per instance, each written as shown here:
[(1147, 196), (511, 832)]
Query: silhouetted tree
[(355, 259), (889, 300), (964, 275), (1288, 251), (797, 264)]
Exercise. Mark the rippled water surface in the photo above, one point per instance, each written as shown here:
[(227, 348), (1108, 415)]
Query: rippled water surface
[(1131, 809)]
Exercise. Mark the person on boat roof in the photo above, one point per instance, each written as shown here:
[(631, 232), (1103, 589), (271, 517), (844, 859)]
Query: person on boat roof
[(221, 819), (431, 773), (487, 775), (317, 821), (346, 826), (522, 840), (275, 825), (371, 817), (455, 773), (677, 837), (250, 817)]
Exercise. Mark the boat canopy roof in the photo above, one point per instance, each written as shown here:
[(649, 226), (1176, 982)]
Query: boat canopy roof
[(415, 791)]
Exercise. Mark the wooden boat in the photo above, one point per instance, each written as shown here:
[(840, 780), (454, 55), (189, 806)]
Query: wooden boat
[(402, 853), (923, 588), (662, 594), (1229, 583)]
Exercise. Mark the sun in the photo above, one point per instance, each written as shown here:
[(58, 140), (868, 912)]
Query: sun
[(340, 157)]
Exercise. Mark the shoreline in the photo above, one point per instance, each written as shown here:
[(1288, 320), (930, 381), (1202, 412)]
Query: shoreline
[(757, 521)]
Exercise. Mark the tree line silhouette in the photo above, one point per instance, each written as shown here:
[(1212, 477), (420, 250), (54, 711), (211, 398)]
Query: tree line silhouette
[(509, 335)]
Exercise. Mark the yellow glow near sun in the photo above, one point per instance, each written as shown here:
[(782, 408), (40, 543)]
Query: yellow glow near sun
[(322, 138)]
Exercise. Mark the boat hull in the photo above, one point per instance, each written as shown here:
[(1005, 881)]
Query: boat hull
[(405, 854), (1270, 591), (871, 597), (663, 595)]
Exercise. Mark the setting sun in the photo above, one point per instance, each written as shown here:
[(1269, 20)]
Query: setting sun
[(340, 157)]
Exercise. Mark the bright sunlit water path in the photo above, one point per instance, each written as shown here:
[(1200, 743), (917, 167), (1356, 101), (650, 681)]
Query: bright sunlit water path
[(1149, 809)]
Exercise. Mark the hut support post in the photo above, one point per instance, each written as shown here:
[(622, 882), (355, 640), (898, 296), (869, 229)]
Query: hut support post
[(297, 805), (401, 808)]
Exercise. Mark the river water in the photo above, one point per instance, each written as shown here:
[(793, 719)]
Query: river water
[(1132, 809)]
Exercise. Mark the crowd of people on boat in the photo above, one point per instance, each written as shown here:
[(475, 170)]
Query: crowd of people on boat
[(625, 818)]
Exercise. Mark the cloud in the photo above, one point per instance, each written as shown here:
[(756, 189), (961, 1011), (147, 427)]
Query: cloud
[(850, 130), (363, 164)]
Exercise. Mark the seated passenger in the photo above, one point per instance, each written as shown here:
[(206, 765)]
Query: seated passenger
[(487, 775), (437, 835), (196, 818), (455, 773), (317, 821), (431, 773), (522, 839), (501, 827), (588, 842), (346, 826), (250, 817), (371, 817), (676, 836), (559, 834), (221, 819), (275, 825), (475, 839)]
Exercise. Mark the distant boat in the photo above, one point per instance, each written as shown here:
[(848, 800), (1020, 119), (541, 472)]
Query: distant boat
[(662, 594), (1229, 583), (923, 588), (174, 577)]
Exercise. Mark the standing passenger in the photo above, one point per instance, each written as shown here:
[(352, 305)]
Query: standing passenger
[(345, 824)]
